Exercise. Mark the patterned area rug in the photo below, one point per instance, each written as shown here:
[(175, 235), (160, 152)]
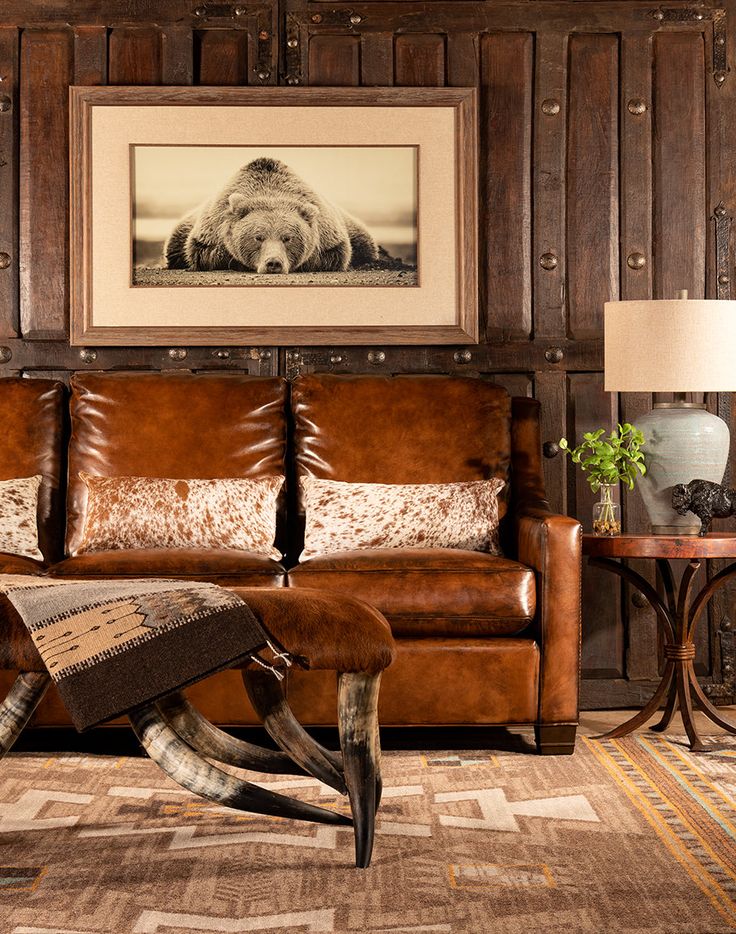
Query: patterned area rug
[(630, 835)]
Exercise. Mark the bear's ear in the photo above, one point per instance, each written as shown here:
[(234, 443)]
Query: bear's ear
[(308, 211), (238, 204)]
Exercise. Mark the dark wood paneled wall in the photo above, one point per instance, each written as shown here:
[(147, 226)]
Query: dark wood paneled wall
[(608, 170)]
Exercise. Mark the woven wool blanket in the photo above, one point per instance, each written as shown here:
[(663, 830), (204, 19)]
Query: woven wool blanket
[(110, 646)]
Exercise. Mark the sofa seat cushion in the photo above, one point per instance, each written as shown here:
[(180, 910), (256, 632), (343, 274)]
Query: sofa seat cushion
[(430, 592), (15, 564), (229, 568)]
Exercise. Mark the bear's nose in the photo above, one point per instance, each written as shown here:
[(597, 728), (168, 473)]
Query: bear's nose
[(274, 265)]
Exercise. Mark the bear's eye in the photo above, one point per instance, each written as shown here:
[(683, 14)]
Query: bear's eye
[(260, 238), (285, 239)]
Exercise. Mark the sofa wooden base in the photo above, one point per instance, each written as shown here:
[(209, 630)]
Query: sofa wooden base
[(555, 739)]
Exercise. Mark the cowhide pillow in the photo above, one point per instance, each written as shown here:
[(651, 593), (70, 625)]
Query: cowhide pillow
[(18, 517), (344, 516), (145, 512)]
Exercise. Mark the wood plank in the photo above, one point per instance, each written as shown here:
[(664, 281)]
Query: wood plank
[(515, 384), (9, 44), (134, 55), (603, 635), (680, 216), (463, 59), (457, 15), (419, 60), (334, 61), (505, 184), (636, 167), (592, 182), (177, 54), (550, 388), (640, 622), (46, 71), (583, 356), (550, 319), (222, 56), (90, 55), (377, 59)]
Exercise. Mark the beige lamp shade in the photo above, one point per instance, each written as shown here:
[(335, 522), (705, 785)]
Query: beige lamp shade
[(670, 346)]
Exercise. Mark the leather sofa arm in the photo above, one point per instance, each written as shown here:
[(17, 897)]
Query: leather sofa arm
[(552, 545)]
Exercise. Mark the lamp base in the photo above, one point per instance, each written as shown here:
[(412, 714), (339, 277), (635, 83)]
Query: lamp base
[(683, 442)]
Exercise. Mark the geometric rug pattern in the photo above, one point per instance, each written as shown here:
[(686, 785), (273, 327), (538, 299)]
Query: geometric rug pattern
[(633, 835)]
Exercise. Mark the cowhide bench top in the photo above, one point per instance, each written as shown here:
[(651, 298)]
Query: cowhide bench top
[(321, 630)]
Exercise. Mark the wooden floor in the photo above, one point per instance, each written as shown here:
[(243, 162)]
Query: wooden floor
[(595, 722)]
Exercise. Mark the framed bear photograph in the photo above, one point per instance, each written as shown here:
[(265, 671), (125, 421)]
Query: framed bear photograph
[(278, 216)]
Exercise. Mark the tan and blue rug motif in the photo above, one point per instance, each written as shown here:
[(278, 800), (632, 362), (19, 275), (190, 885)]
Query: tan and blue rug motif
[(633, 835)]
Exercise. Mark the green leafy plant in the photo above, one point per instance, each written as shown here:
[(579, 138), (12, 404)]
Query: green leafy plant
[(609, 459)]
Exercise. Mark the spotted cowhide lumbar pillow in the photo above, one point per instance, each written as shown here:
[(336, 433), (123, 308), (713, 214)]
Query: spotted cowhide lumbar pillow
[(18, 517), (145, 512), (344, 516)]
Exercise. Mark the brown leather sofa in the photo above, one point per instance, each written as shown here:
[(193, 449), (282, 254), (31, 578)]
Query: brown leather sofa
[(481, 639)]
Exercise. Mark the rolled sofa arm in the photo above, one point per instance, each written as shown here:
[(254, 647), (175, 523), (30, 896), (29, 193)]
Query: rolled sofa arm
[(552, 545)]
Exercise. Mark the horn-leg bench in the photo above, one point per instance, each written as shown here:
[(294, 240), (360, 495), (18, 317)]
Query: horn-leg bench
[(324, 631)]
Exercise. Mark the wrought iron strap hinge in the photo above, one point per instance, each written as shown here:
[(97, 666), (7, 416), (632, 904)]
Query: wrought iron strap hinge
[(698, 15), (343, 18), (293, 364), (722, 222), (263, 67), (293, 56)]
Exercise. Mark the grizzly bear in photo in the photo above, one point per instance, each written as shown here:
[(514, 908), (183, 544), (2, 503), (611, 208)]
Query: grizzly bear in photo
[(267, 220)]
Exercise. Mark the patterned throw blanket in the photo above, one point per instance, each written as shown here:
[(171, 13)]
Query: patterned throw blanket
[(111, 646)]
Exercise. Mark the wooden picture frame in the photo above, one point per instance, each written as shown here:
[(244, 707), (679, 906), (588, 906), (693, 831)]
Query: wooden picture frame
[(118, 133)]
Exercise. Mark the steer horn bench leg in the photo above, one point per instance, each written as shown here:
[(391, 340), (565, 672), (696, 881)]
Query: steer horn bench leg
[(269, 702), (357, 709), (191, 726), (17, 709), (188, 769)]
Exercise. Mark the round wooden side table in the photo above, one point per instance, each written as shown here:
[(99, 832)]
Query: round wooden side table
[(678, 612)]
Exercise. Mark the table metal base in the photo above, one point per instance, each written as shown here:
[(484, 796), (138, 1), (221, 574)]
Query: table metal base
[(678, 613)]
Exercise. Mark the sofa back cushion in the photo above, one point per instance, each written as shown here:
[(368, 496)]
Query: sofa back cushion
[(172, 425), (400, 429), (32, 419)]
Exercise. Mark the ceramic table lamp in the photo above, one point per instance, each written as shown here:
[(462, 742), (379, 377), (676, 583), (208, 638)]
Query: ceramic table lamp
[(676, 346)]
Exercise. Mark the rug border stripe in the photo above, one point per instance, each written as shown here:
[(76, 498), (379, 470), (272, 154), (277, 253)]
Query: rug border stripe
[(708, 806), (694, 830), (666, 835), (701, 775)]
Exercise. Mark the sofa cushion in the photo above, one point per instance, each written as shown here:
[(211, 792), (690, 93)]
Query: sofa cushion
[(32, 419), (14, 564), (19, 516), (229, 568), (399, 429), (429, 591), (178, 425), (347, 516), (233, 513)]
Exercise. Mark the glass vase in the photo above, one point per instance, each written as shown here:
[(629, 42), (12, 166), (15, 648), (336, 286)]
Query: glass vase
[(606, 513)]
